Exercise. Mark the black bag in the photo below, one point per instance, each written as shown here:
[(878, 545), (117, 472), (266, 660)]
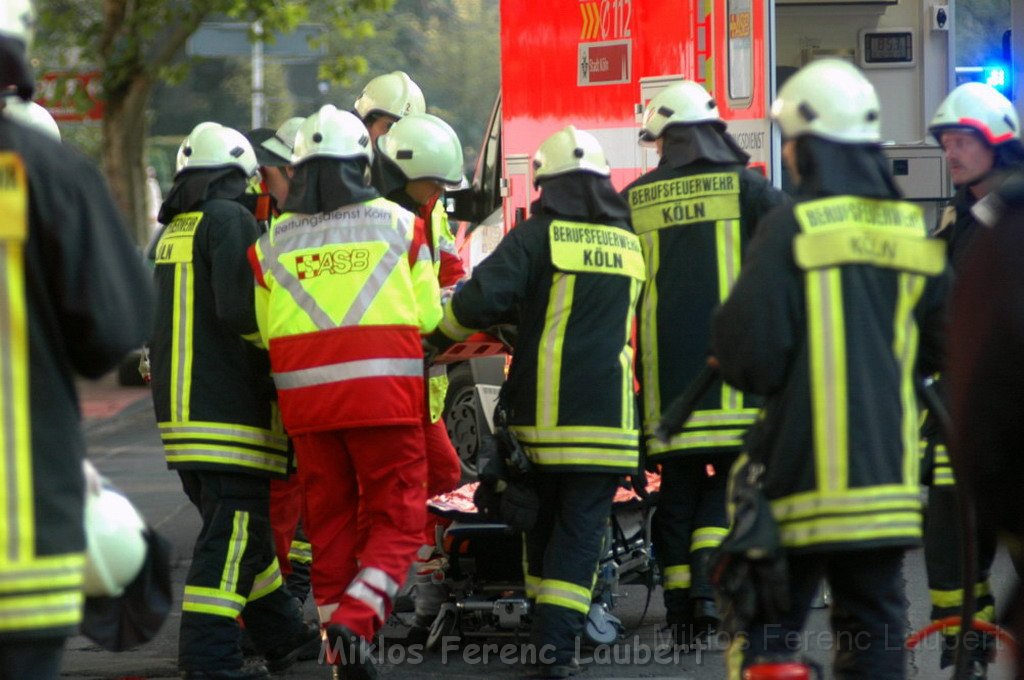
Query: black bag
[(749, 569), (120, 623)]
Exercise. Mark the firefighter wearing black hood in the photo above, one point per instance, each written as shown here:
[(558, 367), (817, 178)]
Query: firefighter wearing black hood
[(75, 297), (213, 397), (979, 131), (839, 304), (569, 277), (694, 215)]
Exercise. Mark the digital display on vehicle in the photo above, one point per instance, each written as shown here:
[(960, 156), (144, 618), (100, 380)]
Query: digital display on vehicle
[(888, 48)]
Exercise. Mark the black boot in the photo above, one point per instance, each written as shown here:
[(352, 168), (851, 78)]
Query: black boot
[(354, 658)]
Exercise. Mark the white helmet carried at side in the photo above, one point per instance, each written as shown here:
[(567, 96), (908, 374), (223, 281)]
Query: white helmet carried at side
[(115, 540), (33, 115), (978, 107), (569, 150), (831, 99), (425, 147), (16, 20), (680, 103), (330, 133), (212, 145), (394, 94)]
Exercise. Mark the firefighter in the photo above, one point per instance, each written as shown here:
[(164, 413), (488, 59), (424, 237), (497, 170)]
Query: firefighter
[(429, 155), (839, 303), (274, 153), (384, 101), (74, 298), (570, 277), (213, 400), (979, 131), (345, 289), (693, 244)]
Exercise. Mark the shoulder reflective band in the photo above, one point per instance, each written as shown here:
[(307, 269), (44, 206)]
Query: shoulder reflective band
[(595, 249), (175, 245), (855, 211), (876, 246), (17, 529), (685, 200)]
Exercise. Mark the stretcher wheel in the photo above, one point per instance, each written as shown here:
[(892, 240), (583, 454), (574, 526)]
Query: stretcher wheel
[(603, 627), (445, 625)]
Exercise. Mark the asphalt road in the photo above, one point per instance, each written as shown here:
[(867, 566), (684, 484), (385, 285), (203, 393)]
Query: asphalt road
[(124, 444)]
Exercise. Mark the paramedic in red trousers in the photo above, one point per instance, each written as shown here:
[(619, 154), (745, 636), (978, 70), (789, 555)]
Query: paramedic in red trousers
[(838, 306), (693, 258), (75, 297), (429, 155), (570, 278), (979, 131), (345, 289), (214, 405), (382, 103)]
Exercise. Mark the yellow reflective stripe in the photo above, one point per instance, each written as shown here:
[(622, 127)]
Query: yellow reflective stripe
[(226, 455), (941, 455), (850, 502), (596, 249), (943, 476), (692, 199), (242, 434), (552, 339), (949, 599), (236, 549), (696, 439), (450, 325), (577, 434), (734, 657), (266, 582), (905, 335), (648, 327), (41, 610), (201, 600), (626, 357), (581, 455), (874, 246), (52, 572), (842, 529), (707, 537), (727, 250), (181, 342), (676, 577), (727, 416), (301, 552), (827, 338), (564, 594)]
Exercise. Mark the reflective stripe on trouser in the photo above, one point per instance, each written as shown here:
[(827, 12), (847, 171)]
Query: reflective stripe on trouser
[(376, 475), (562, 552), (942, 559), (689, 523), (868, 614), (234, 572)]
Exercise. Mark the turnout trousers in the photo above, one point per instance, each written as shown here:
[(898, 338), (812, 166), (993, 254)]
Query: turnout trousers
[(234, 573), (365, 508), (869, 615), (562, 553), (688, 526)]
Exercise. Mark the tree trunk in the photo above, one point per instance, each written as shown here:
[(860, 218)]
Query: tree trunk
[(124, 149)]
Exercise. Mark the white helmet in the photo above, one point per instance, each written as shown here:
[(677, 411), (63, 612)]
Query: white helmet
[(212, 145), (679, 103), (115, 540), (569, 150), (978, 107), (283, 141), (330, 133), (393, 93), (16, 20), (424, 147), (33, 115), (831, 99)]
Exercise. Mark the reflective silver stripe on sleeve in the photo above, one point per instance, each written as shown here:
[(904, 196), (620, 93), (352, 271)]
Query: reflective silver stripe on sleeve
[(349, 370)]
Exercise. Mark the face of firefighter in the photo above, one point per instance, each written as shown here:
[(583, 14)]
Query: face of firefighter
[(423, 191), (969, 157), (380, 125), (789, 159), (277, 180)]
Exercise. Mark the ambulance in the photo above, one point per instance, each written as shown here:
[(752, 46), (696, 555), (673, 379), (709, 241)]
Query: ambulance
[(596, 63)]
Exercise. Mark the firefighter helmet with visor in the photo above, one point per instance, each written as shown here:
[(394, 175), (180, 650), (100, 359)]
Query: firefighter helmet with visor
[(212, 145), (681, 103), (831, 99), (330, 133), (980, 108), (425, 147), (569, 150), (394, 94)]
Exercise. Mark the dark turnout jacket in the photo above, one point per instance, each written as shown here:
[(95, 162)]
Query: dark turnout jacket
[(838, 308), (75, 297)]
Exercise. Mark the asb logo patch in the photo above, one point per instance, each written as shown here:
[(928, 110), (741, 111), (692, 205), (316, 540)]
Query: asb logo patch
[(338, 261)]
